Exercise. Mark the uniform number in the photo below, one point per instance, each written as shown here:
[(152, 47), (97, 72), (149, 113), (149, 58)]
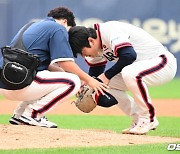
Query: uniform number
[(110, 56)]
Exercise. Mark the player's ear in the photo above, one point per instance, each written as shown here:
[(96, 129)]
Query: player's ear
[(65, 21), (91, 40)]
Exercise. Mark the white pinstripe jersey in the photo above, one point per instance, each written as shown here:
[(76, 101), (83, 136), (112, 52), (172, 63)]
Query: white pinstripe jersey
[(115, 35)]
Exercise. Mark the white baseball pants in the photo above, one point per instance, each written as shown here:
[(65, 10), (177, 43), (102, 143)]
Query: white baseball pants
[(46, 91), (136, 78)]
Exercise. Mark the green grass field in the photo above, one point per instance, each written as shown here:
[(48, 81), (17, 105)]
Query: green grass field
[(168, 90), (169, 126), (138, 149)]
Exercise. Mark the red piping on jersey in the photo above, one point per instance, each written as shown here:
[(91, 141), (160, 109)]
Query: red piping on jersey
[(141, 87), (121, 45), (97, 64), (97, 27)]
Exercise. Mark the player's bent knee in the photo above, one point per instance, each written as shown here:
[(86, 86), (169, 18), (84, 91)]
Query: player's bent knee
[(77, 83), (106, 100)]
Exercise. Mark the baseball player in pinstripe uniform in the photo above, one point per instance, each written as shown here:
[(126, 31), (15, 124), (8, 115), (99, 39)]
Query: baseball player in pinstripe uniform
[(57, 79), (140, 61)]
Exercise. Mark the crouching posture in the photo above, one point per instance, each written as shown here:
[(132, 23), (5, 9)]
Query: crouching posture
[(58, 76), (140, 61)]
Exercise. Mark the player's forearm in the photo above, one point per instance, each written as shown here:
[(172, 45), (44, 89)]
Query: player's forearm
[(127, 56), (55, 68), (72, 67), (104, 79)]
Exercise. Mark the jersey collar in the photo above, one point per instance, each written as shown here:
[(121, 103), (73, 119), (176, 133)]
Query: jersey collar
[(50, 18), (97, 27)]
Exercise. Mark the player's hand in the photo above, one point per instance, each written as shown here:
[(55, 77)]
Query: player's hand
[(98, 87), (81, 88), (103, 78)]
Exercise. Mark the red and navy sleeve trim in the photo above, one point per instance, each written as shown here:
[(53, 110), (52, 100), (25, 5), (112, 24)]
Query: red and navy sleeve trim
[(121, 45)]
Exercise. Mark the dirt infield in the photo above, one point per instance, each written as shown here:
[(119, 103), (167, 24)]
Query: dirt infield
[(18, 137)]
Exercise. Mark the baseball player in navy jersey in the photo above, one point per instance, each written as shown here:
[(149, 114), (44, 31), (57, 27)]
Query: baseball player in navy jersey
[(57, 79), (140, 61)]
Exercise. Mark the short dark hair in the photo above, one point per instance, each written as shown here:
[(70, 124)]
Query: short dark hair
[(63, 13), (78, 38)]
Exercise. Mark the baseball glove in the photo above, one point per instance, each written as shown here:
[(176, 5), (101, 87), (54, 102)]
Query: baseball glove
[(85, 102)]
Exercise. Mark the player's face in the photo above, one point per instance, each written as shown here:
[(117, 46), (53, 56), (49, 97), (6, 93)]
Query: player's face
[(91, 51)]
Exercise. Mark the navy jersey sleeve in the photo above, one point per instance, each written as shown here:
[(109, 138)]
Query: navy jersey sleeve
[(96, 71), (127, 56), (60, 49)]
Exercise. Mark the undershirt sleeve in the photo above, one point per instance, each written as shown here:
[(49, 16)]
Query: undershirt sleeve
[(127, 56), (96, 71)]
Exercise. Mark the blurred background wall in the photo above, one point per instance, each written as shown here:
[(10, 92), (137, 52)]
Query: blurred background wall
[(161, 18)]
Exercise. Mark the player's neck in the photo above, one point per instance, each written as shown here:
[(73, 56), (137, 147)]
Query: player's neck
[(63, 23), (99, 41)]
